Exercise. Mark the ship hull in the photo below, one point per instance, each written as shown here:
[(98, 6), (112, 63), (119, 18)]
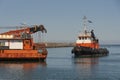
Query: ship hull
[(80, 51), (21, 59), (22, 55)]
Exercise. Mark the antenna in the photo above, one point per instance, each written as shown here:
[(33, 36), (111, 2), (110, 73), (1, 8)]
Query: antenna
[(85, 23)]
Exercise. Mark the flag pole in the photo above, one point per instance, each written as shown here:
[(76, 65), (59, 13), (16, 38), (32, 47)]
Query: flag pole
[(85, 23)]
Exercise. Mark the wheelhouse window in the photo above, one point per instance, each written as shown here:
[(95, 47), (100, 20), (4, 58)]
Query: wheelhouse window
[(82, 38), (79, 38), (85, 38), (2, 43)]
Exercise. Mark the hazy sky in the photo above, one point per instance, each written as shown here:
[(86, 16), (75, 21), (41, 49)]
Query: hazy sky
[(63, 18)]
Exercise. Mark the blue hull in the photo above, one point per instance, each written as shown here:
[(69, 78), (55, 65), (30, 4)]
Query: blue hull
[(86, 51)]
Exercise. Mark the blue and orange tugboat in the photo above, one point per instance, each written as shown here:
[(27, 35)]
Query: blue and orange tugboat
[(87, 44)]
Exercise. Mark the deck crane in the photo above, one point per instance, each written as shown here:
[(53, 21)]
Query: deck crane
[(19, 45), (25, 31)]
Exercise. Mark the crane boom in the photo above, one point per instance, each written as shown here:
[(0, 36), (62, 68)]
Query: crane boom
[(28, 30)]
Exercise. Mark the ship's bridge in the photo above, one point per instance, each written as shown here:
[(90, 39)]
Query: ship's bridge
[(84, 37)]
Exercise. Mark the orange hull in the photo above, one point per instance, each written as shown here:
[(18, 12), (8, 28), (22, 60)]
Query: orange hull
[(22, 54), (91, 45)]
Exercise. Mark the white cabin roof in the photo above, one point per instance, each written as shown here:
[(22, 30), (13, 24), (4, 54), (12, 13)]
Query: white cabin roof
[(85, 34)]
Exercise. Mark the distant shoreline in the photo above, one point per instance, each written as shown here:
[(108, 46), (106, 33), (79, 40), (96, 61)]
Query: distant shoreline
[(56, 45), (69, 44)]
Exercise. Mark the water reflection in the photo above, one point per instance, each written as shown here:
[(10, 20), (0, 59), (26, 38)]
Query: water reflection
[(86, 67), (86, 61), (22, 65), (19, 71)]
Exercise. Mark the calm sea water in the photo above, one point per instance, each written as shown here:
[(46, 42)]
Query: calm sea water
[(60, 65)]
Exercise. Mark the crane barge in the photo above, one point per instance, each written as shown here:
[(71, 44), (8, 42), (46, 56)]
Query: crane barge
[(19, 45)]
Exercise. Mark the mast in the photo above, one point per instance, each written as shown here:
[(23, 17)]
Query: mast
[(85, 23)]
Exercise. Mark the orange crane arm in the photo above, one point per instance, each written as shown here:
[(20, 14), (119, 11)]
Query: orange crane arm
[(29, 30)]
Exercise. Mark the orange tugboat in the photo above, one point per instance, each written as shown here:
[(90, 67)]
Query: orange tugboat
[(18, 45), (87, 44)]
